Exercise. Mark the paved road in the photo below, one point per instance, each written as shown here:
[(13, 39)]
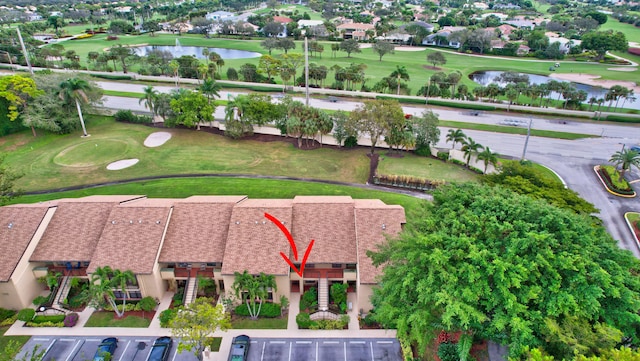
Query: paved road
[(573, 160)]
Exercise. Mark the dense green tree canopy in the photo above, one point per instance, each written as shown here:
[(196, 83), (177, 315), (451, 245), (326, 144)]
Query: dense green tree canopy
[(502, 265), (603, 41)]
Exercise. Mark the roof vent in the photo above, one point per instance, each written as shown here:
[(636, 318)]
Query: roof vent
[(130, 221), (257, 222), (158, 222), (237, 222), (113, 222), (139, 220), (384, 226), (10, 225)]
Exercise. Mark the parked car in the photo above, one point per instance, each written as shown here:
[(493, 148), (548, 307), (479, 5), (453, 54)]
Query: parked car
[(239, 348), (160, 349), (106, 349), (635, 148)]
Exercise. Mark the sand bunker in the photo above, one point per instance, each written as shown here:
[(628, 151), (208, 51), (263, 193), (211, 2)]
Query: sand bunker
[(625, 68), (122, 164), (157, 139), (594, 80)]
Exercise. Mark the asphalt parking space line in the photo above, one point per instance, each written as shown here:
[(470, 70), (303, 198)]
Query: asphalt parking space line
[(67, 339), (331, 342), (41, 339), (304, 342), (143, 340), (316, 351), (73, 350), (93, 340), (357, 342), (282, 342), (345, 351), (175, 351), (49, 348), (124, 351), (371, 344), (384, 342), (263, 347), (290, 347)]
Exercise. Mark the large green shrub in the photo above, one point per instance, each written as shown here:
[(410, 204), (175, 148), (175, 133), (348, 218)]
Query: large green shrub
[(268, 310), (147, 304), (303, 320), (48, 318), (5, 314), (309, 299), (26, 314), (338, 293), (448, 352), (166, 316)]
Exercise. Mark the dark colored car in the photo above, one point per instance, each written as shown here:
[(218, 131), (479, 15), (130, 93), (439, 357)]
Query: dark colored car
[(635, 148), (107, 346), (239, 348), (160, 349)]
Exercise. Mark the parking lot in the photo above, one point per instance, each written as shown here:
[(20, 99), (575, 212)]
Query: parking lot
[(324, 349), (84, 348)]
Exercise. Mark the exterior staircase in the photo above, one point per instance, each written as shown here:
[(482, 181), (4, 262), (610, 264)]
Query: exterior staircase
[(191, 290), (323, 294), (63, 292)]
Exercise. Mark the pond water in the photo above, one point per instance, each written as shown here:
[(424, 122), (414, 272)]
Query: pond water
[(485, 78), (178, 51)]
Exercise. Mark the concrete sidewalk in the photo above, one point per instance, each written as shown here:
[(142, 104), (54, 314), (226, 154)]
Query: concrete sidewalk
[(155, 330)]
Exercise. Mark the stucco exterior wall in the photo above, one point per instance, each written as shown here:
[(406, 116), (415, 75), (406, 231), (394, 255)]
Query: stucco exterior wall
[(364, 297), (152, 284)]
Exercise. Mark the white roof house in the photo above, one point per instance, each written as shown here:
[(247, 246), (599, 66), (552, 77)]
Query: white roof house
[(219, 15)]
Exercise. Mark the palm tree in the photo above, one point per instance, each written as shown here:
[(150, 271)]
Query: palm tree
[(120, 279), (625, 159), (175, 68), (100, 290), (400, 74), (250, 288), (210, 88), (455, 136), (470, 148), (76, 89), (149, 97), (488, 157)]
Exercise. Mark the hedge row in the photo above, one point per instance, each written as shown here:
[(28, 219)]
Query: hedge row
[(443, 103), (622, 119), (112, 77), (304, 321)]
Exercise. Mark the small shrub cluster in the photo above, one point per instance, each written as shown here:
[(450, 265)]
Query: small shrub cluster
[(166, 316), (7, 317), (309, 299), (40, 300), (370, 319), (112, 37), (350, 142), (268, 310), (133, 306), (147, 304), (128, 117), (448, 351), (26, 314), (304, 322), (71, 320), (45, 324), (9, 321), (610, 176), (407, 181), (443, 156), (177, 298)]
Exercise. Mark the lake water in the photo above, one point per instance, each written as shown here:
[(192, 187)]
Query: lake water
[(178, 51), (485, 78)]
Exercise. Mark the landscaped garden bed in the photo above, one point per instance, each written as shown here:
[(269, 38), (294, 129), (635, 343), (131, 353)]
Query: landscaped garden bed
[(130, 319), (610, 178), (633, 220)]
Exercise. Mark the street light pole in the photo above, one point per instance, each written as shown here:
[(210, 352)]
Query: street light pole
[(306, 68), (10, 61), (526, 141), (24, 50)]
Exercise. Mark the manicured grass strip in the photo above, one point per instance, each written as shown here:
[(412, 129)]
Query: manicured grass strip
[(117, 93), (254, 188), (107, 319), (622, 119), (214, 343), (544, 170), (424, 167), (514, 130), (260, 324), (4, 340)]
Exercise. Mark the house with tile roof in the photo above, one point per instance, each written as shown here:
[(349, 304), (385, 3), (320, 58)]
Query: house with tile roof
[(169, 243), (356, 31)]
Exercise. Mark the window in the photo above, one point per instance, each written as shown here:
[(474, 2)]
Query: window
[(135, 294), (336, 265)]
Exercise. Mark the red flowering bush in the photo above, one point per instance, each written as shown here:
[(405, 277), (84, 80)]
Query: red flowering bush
[(71, 320)]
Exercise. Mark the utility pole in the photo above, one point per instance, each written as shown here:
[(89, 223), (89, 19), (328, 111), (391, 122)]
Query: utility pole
[(306, 67), (526, 141), (24, 50)]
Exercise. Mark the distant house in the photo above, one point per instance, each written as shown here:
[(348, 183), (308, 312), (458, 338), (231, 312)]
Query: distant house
[(284, 21), (565, 44), (523, 49), (356, 31), (428, 27), (396, 37), (55, 13), (506, 30), (508, 6), (219, 15), (441, 38), (480, 6), (31, 16)]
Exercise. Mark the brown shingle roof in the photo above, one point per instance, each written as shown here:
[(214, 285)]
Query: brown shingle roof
[(73, 232), (254, 243), (355, 26), (282, 19), (17, 227), (131, 237), (329, 221), (198, 229), (373, 224)]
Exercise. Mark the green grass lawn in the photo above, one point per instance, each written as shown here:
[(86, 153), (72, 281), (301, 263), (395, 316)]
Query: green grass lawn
[(4, 340), (540, 168), (108, 319), (415, 62), (430, 168), (260, 323), (514, 130), (214, 343), (631, 32)]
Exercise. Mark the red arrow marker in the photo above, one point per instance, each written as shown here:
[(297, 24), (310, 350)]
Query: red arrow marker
[(286, 232)]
